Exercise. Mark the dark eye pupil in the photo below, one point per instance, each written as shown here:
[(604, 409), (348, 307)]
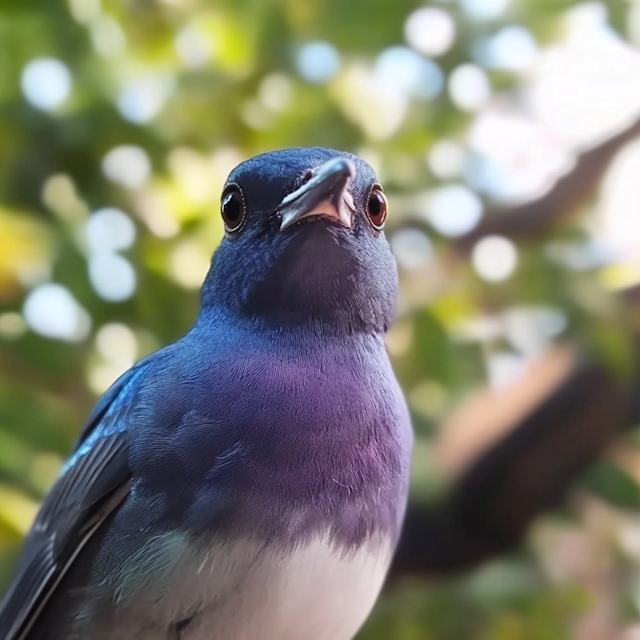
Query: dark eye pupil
[(375, 205), (232, 206)]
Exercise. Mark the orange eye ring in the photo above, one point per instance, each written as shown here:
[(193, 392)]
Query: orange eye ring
[(377, 207)]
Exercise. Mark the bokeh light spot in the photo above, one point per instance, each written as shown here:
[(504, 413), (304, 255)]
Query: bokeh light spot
[(369, 102), (194, 46), (110, 229), (46, 83), (412, 248), (275, 91), (112, 276), (454, 210), (85, 11), (117, 344), (430, 30), (127, 165), (256, 116), (107, 37), (189, 264), (495, 258), (60, 195), (469, 87), (318, 61), (53, 312), (484, 9), (587, 87), (142, 100), (515, 157), (402, 69), (446, 159), (513, 48)]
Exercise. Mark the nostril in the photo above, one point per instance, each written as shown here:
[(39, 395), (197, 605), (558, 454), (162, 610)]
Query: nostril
[(303, 179)]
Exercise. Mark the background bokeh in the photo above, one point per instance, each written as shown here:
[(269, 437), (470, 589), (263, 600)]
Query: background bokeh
[(119, 121)]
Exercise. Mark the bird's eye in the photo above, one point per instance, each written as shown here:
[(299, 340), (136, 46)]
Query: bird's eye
[(233, 209), (377, 207)]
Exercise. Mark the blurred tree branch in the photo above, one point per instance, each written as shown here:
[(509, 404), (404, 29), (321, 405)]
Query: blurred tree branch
[(565, 198), (524, 473)]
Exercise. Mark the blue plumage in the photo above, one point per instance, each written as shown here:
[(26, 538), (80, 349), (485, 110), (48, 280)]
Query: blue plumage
[(248, 481)]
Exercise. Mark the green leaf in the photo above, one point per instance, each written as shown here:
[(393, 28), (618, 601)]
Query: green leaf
[(612, 484)]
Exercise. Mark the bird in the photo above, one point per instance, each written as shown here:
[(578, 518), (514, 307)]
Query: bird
[(249, 481)]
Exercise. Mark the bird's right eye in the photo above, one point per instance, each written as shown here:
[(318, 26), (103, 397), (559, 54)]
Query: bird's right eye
[(233, 209)]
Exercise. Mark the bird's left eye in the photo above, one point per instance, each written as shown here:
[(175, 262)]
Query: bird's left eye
[(232, 209), (377, 208)]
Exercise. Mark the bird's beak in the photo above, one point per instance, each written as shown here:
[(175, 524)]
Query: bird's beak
[(324, 194)]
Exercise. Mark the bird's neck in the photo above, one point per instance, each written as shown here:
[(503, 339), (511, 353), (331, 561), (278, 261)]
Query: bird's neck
[(292, 327), (321, 286)]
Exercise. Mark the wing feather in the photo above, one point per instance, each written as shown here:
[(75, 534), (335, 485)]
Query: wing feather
[(92, 484)]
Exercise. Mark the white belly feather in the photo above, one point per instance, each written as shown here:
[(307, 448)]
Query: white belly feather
[(248, 592)]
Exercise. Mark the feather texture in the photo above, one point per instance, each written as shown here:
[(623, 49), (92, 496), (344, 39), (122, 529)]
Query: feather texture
[(92, 484)]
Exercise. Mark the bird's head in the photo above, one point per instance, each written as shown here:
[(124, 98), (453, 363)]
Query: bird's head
[(304, 243)]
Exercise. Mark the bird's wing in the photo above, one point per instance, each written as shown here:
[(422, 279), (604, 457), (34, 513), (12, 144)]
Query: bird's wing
[(90, 487)]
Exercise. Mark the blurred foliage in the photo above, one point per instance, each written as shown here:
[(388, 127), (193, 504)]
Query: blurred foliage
[(164, 98), (502, 603)]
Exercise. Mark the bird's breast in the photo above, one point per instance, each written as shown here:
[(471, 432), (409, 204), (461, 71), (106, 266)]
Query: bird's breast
[(283, 443)]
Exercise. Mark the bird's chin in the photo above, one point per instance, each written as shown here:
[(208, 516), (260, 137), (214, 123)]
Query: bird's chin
[(313, 276), (321, 241), (321, 222)]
